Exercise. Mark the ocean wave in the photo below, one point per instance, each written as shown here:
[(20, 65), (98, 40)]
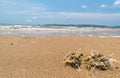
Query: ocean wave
[(34, 30)]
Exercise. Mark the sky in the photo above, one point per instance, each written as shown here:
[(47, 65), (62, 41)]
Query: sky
[(98, 12)]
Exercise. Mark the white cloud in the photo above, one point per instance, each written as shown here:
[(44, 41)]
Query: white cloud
[(34, 12), (34, 17), (77, 15), (28, 20), (103, 6), (84, 6), (21, 7), (117, 2), (2, 2)]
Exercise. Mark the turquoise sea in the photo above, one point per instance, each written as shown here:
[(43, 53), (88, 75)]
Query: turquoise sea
[(39, 30)]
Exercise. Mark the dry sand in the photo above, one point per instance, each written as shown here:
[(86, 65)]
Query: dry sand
[(42, 57)]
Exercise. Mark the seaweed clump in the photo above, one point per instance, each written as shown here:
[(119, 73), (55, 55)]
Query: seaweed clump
[(98, 61), (89, 61), (74, 60)]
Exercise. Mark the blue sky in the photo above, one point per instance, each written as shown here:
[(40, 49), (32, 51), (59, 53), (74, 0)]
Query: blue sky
[(102, 12)]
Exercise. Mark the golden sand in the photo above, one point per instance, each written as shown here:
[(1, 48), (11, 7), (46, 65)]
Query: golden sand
[(42, 57)]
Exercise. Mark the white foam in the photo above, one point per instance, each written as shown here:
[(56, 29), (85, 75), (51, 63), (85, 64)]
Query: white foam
[(58, 30)]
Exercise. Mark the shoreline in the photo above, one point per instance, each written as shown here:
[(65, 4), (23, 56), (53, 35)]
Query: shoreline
[(58, 36), (57, 31)]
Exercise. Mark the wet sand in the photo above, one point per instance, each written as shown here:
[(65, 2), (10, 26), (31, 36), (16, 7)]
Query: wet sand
[(42, 57)]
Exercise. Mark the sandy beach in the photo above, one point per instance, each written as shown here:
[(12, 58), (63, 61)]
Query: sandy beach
[(42, 57)]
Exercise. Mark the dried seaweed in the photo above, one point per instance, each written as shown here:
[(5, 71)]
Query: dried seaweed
[(88, 61)]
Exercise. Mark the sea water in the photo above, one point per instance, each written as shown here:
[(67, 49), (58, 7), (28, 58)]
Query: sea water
[(38, 30)]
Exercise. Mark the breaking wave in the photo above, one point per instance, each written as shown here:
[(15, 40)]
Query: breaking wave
[(34, 30)]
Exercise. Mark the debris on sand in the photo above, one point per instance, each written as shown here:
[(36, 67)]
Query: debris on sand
[(89, 61), (74, 60)]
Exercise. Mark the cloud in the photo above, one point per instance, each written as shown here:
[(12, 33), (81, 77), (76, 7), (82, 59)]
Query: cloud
[(84, 6), (103, 6), (29, 20), (21, 7), (77, 18), (77, 15), (6, 2), (34, 17), (117, 2), (40, 13)]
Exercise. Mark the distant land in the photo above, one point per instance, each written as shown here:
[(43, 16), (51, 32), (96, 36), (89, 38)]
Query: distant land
[(68, 25)]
